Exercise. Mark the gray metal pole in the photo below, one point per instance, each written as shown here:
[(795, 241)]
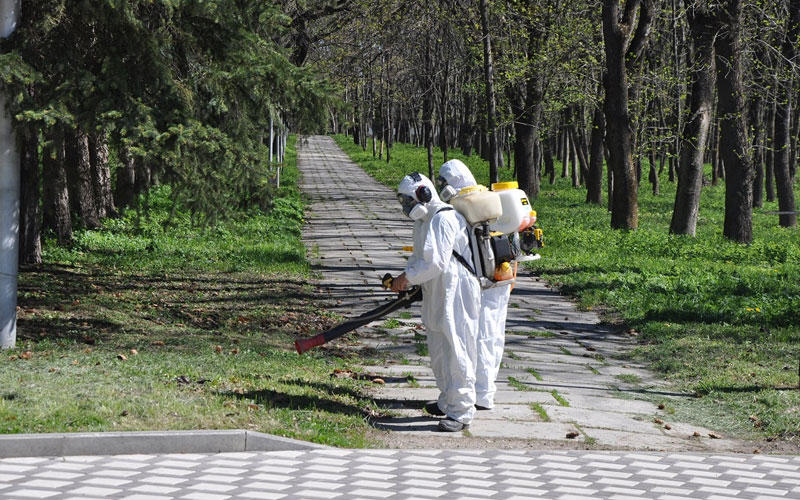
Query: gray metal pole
[(271, 139), (9, 200)]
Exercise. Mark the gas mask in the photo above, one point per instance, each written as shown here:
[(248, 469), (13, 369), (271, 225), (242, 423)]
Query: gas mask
[(446, 191), (414, 206)]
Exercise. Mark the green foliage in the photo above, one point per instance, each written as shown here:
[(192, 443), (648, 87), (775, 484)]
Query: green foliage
[(188, 87)]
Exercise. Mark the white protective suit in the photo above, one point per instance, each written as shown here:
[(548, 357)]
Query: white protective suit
[(450, 299), (494, 308)]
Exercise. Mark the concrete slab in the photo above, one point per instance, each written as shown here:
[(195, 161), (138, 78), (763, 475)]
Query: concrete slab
[(506, 411), (520, 397), (522, 430), (621, 440), (587, 418), (612, 404), (405, 394)]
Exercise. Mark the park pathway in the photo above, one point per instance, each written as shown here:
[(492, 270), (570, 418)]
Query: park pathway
[(564, 380)]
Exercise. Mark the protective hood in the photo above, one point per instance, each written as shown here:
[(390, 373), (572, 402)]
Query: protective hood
[(456, 174), (415, 193)]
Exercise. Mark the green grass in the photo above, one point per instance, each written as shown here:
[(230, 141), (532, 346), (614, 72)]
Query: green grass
[(140, 326), (390, 323), (539, 409), (558, 397), (628, 378), (517, 385), (535, 374), (714, 317)]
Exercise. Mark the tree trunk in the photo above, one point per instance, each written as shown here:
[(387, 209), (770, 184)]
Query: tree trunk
[(594, 180), (79, 173), (620, 137), (695, 132), (549, 166), (734, 144), (30, 241), (783, 111), (652, 175), (56, 214), (124, 193), (144, 178), (101, 175), (565, 149), (488, 74), (770, 155)]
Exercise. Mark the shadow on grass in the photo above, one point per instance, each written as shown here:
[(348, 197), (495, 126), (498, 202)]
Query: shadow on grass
[(276, 399), (91, 304), (706, 390)]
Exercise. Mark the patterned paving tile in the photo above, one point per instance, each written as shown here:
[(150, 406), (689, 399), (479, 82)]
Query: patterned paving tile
[(406, 474)]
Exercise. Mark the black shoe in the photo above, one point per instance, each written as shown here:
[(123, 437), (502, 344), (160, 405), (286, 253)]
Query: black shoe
[(433, 408), (450, 425), (483, 408)]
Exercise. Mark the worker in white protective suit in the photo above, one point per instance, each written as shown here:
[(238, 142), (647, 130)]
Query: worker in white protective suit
[(454, 176), (450, 298)]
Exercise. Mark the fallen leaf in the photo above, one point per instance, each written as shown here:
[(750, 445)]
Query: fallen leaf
[(76, 362), (756, 452), (572, 435), (218, 348), (122, 357), (12, 357), (253, 406), (696, 434), (124, 413), (661, 406), (157, 342), (714, 435), (235, 351), (668, 427), (658, 421), (753, 418), (378, 381), (229, 404), (134, 352), (52, 370), (26, 355), (238, 390)]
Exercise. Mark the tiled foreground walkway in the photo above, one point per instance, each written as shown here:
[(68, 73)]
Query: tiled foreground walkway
[(394, 474)]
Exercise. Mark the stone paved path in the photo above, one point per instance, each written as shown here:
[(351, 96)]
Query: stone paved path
[(563, 373), (404, 474)]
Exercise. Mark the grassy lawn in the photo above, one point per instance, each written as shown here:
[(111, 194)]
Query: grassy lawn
[(717, 319), (137, 327)]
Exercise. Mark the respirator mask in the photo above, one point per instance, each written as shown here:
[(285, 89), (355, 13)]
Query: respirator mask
[(414, 209), (446, 191)]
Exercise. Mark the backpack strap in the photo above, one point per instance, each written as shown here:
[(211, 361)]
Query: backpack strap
[(460, 258)]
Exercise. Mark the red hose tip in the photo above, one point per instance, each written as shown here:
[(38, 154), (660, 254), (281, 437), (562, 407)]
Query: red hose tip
[(302, 345)]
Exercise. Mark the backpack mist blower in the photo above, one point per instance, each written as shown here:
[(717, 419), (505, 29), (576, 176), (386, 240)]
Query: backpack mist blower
[(404, 299)]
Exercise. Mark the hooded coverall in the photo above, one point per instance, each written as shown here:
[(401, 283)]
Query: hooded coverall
[(494, 309), (450, 301)]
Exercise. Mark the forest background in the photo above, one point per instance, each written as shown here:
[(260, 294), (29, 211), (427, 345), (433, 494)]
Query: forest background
[(178, 111)]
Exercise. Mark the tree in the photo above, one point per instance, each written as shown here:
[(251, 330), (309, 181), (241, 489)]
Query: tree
[(734, 144), (703, 25), (784, 180), (625, 34), (488, 75)]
